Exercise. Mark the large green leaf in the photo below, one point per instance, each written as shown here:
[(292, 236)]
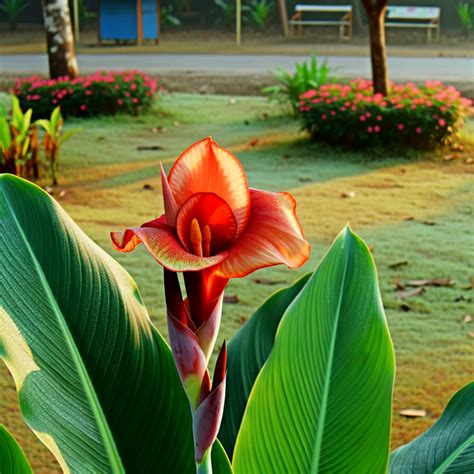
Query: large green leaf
[(96, 381), (12, 457), (448, 446), (322, 401), (247, 352)]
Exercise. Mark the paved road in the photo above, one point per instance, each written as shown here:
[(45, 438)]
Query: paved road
[(445, 69)]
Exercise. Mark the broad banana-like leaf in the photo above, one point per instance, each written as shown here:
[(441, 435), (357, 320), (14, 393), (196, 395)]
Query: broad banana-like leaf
[(247, 352), (17, 114), (55, 120), (45, 124), (12, 457), (322, 401), (96, 382), (447, 447), (25, 125), (5, 134)]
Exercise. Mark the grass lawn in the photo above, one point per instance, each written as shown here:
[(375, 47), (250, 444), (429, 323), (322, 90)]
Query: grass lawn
[(415, 209)]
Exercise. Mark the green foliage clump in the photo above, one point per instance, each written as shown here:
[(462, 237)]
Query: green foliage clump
[(290, 86), (20, 149), (466, 17), (168, 18), (12, 9), (260, 12)]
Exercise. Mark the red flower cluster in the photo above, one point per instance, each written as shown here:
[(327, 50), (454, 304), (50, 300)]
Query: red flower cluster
[(100, 93), (351, 114)]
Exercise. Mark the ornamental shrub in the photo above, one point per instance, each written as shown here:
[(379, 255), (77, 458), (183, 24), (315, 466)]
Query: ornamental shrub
[(100, 93), (290, 85), (416, 116)]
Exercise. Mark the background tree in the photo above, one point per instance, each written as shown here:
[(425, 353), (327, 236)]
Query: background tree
[(59, 38), (376, 10)]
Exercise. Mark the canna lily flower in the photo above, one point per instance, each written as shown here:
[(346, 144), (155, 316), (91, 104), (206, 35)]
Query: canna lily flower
[(214, 222), (214, 228)]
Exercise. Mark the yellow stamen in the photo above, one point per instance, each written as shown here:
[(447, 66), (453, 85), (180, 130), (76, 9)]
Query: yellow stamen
[(196, 238), (206, 241)]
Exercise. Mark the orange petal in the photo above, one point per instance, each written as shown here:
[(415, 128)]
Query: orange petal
[(171, 208), (211, 210), (160, 240), (205, 167), (273, 235)]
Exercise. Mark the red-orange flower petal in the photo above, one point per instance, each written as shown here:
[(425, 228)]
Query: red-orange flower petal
[(273, 235), (209, 209), (160, 240), (171, 208), (205, 167)]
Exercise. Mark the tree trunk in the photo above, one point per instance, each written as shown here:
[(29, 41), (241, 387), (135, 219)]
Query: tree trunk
[(60, 42), (378, 51), (283, 16), (358, 24)]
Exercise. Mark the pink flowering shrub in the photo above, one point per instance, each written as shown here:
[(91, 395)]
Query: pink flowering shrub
[(101, 93), (411, 115)]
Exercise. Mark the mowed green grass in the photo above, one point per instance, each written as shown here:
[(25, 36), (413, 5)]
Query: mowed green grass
[(415, 209)]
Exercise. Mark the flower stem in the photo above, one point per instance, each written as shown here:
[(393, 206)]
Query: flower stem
[(205, 466)]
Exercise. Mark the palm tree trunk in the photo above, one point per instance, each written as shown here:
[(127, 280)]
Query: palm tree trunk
[(60, 42)]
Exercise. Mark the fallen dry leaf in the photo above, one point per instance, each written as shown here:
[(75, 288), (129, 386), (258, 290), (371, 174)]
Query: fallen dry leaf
[(403, 294), (394, 266), (243, 320), (149, 147), (49, 189), (471, 284), (433, 282), (266, 281), (462, 298), (348, 195), (231, 299), (399, 285), (457, 147), (466, 319), (62, 193), (412, 413), (254, 142), (371, 248), (469, 161)]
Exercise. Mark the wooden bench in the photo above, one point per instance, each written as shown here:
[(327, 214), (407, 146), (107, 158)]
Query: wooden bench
[(414, 17), (344, 22)]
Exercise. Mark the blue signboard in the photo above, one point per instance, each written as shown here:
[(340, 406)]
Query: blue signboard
[(118, 20)]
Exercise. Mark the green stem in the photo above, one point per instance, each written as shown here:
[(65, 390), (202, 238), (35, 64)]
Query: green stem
[(205, 466)]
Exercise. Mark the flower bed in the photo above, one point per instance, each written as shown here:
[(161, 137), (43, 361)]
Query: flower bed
[(101, 93), (411, 115)]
